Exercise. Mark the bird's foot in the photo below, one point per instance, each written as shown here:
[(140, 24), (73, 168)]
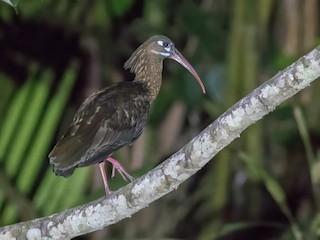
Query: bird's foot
[(117, 166)]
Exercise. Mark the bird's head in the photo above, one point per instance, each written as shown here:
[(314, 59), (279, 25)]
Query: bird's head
[(161, 47)]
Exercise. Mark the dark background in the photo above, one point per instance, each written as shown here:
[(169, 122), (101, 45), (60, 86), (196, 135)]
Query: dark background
[(55, 53)]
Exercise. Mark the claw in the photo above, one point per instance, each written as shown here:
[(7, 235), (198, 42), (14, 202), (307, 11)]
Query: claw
[(117, 166)]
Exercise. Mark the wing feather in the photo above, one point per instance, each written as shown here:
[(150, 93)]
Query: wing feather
[(99, 128)]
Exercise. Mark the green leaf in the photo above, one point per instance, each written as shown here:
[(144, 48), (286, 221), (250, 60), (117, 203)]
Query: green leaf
[(11, 120), (13, 3)]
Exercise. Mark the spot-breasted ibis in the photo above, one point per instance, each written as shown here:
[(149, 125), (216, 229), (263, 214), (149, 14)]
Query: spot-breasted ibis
[(115, 116)]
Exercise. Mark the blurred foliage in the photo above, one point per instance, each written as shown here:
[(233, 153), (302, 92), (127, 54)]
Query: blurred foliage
[(12, 3), (55, 53)]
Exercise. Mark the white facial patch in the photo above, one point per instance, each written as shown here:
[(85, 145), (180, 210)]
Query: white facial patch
[(161, 53), (168, 49), (165, 54), (160, 43)]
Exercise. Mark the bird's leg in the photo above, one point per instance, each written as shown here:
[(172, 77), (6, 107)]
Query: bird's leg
[(102, 166), (117, 166)]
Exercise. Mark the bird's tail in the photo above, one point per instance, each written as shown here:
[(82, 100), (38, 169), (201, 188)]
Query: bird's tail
[(65, 157), (63, 172)]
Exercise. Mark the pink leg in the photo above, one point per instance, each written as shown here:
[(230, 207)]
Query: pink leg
[(102, 166), (117, 166)]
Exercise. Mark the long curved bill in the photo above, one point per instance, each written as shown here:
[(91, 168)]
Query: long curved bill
[(177, 56)]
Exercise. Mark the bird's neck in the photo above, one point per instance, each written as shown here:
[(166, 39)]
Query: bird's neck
[(150, 74), (147, 67)]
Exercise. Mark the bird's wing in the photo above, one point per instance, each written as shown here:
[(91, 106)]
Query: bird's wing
[(95, 125)]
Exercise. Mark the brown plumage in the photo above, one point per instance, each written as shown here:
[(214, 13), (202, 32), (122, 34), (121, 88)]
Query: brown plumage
[(115, 116)]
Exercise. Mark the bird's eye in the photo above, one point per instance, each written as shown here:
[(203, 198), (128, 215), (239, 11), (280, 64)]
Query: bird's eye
[(165, 44)]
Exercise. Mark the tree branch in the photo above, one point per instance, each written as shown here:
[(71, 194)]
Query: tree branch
[(179, 167)]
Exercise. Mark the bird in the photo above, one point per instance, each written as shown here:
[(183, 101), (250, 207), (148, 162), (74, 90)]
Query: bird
[(116, 115)]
